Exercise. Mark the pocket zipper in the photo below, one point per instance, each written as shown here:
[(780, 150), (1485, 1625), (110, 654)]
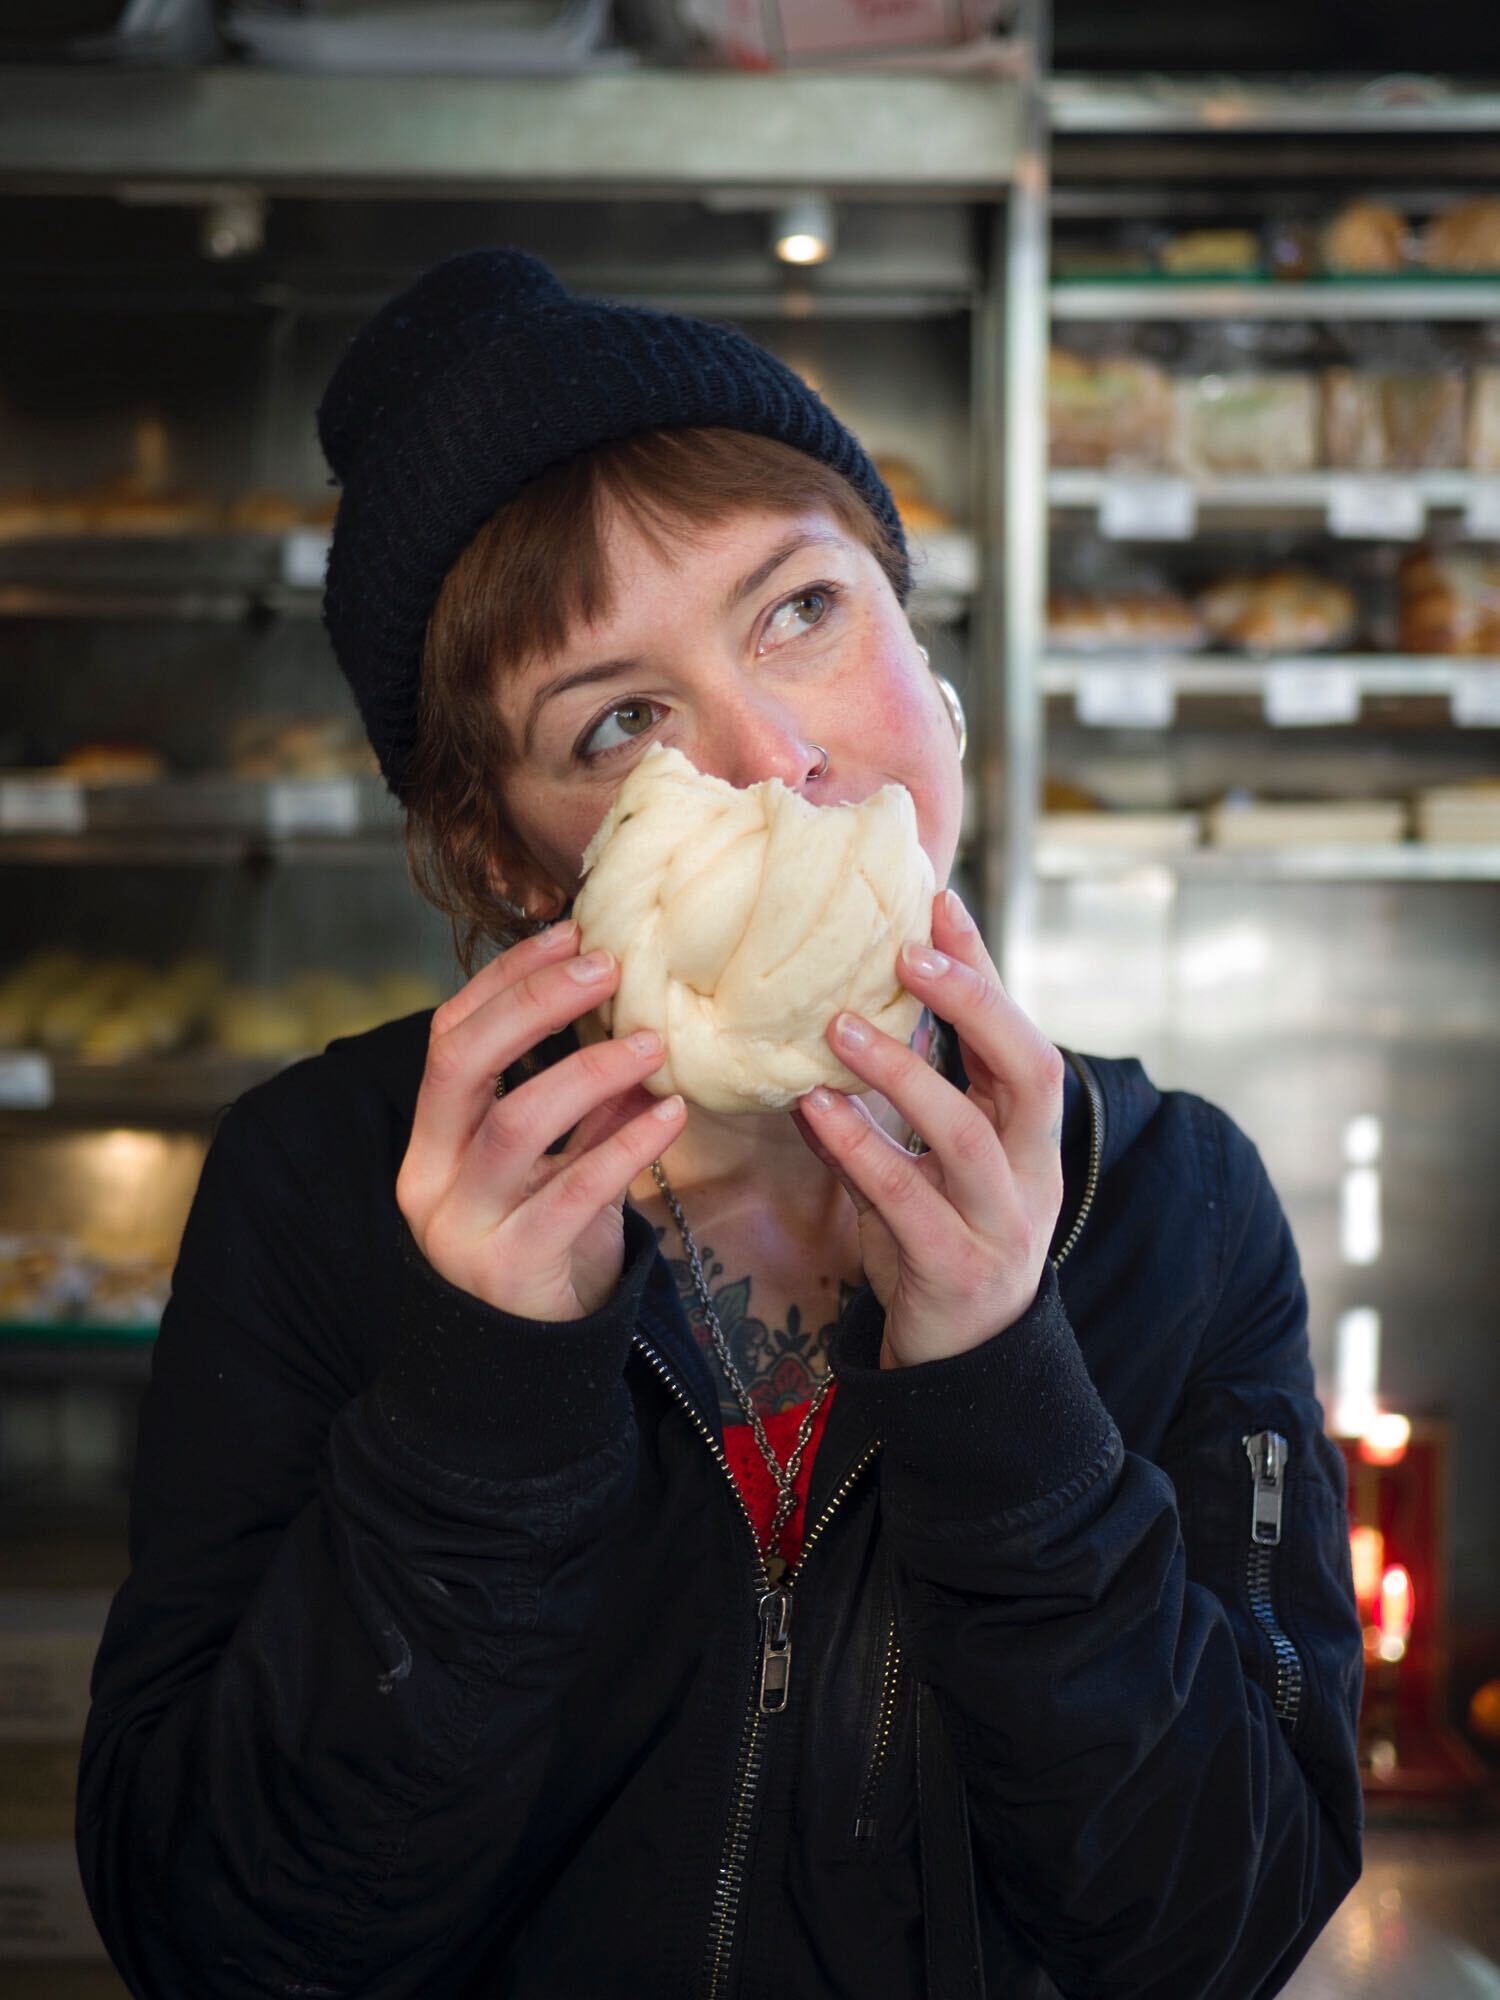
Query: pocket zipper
[(866, 1825), (1267, 1453)]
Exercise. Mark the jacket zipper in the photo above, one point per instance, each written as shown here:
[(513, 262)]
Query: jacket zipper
[(865, 1823), (1267, 1453), (772, 1679)]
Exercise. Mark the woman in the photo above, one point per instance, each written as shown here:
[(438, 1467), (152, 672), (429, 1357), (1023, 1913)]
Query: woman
[(953, 1600)]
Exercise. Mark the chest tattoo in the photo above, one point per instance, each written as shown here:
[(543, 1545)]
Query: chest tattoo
[(778, 1345)]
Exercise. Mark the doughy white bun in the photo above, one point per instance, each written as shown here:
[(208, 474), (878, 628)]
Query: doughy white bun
[(743, 921)]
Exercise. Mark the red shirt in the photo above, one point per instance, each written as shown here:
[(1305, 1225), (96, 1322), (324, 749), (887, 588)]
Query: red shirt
[(753, 1476)]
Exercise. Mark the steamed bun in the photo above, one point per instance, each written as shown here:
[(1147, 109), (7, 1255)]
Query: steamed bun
[(743, 920)]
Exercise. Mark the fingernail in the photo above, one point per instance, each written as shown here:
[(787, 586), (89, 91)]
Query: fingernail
[(849, 1028), (958, 916), (668, 1107), (932, 963), (819, 1097), (563, 933), (645, 1041), (595, 965)]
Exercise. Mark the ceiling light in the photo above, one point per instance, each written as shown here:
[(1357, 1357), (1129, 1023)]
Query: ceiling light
[(802, 230)]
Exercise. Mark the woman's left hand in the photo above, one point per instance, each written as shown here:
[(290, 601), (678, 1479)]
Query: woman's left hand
[(954, 1240)]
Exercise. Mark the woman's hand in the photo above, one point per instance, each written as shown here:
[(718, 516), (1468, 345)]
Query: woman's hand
[(535, 1233), (954, 1240)]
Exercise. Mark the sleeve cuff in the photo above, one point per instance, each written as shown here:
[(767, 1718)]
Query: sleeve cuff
[(1014, 1426), (488, 1393)]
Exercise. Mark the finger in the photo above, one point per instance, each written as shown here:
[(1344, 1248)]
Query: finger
[(464, 1058), (977, 1175), (1005, 1055), (815, 1144), (545, 948), (920, 1218), (553, 1219), (498, 1170)]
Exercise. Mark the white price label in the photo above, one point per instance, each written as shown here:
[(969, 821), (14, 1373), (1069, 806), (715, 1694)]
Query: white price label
[(1376, 509), (1475, 699), (304, 557), (313, 805), (1144, 509), (1305, 696), (25, 1080), (1482, 510), (41, 805), (1125, 698)]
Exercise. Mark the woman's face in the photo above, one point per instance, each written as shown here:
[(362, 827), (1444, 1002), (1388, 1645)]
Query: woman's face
[(743, 648)]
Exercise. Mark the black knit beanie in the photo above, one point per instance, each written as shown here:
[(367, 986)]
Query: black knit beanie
[(474, 380)]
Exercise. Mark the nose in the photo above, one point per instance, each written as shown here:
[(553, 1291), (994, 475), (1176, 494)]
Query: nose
[(762, 739)]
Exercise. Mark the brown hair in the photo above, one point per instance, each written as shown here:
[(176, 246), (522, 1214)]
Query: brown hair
[(534, 571)]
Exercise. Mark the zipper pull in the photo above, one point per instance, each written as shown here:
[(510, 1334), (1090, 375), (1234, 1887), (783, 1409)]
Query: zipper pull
[(1266, 1451), (775, 1649)]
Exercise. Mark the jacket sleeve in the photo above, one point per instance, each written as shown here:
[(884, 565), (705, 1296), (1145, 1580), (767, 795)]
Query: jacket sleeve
[(323, 1708), (1161, 1802)]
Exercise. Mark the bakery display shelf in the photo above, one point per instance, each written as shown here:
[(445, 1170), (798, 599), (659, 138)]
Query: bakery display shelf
[(200, 848), (1311, 104), (1146, 297), (1341, 679), (1394, 861), (192, 1084), (1074, 487), (75, 1333), (630, 133)]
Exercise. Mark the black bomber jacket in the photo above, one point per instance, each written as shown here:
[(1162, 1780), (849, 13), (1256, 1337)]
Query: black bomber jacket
[(447, 1665)]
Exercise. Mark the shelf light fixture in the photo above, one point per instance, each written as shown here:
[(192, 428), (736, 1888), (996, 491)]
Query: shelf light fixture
[(802, 230)]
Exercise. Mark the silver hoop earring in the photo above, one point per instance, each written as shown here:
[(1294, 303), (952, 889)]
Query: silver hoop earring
[(955, 712), (824, 765)]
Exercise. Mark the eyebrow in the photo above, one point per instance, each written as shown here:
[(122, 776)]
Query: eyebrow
[(608, 670)]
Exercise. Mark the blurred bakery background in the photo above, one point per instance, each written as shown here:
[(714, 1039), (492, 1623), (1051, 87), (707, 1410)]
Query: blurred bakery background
[(1177, 337)]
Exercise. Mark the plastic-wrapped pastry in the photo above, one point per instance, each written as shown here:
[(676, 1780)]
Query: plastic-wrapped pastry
[(743, 920), (1465, 238), (919, 514), (1450, 602), (1123, 623), (1197, 251), (257, 1021), (1484, 420), (1284, 611), (1379, 421), (1245, 423), (1116, 411), (70, 1013), (1365, 237), (113, 764)]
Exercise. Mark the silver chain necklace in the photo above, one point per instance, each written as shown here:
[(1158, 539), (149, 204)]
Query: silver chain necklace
[(785, 1476)]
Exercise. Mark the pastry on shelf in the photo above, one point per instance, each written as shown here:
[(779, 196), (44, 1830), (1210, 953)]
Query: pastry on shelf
[(1468, 811), (161, 1016), (1241, 820), (1114, 411), (1123, 623), (1365, 238), (1464, 238), (1484, 420), (1283, 611), (26, 989), (1062, 795), (123, 507), (264, 512), (104, 763), (312, 746), (36, 516), (71, 1011), (919, 514), (1245, 422), (1195, 252), (1381, 421), (1448, 602), (258, 1021), (400, 993)]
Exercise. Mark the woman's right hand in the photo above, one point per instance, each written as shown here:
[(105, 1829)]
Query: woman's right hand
[(537, 1234)]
